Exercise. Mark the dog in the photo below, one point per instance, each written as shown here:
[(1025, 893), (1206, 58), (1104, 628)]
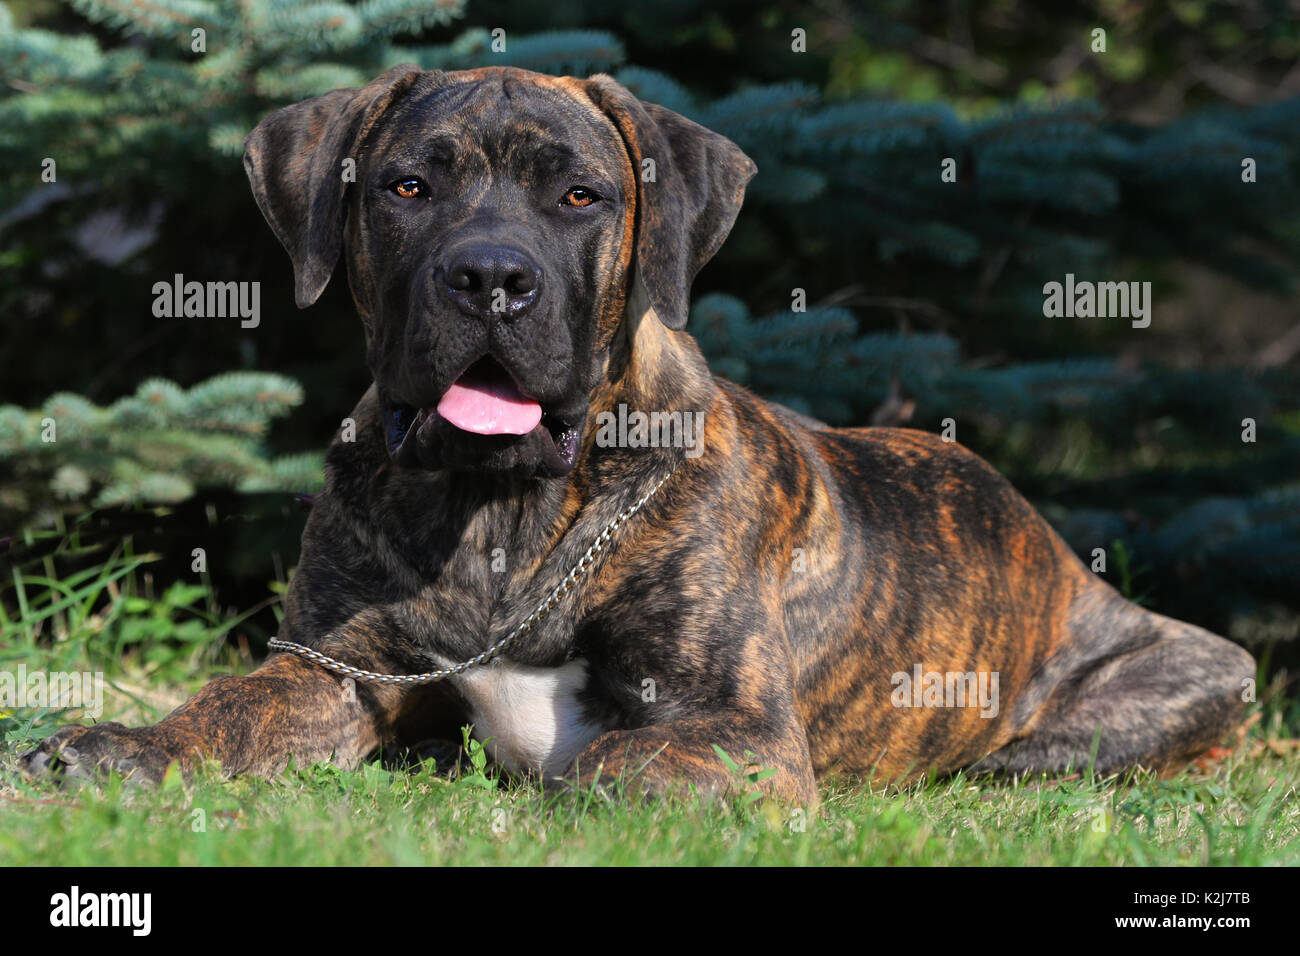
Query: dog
[(810, 600)]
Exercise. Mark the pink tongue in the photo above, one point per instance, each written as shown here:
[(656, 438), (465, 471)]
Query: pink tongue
[(489, 407)]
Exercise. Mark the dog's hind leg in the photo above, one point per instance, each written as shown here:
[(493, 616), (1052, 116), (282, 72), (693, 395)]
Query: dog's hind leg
[(1139, 689)]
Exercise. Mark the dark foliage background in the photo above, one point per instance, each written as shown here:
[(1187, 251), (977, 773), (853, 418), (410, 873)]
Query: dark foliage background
[(925, 297)]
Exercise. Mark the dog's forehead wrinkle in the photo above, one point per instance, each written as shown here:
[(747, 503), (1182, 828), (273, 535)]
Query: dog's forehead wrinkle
[(508, 123), (546, 110), (442, 142)]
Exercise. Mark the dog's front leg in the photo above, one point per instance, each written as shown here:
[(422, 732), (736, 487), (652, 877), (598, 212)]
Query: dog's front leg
[(254, 724)]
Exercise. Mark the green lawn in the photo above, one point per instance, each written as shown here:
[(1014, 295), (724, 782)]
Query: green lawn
[(156, 648), (1245, 813)]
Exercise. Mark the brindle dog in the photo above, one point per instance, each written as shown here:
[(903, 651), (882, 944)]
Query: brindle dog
[(520, 248)]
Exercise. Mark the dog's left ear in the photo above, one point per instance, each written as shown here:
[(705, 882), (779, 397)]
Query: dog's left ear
[(687, 197), (294, 160)]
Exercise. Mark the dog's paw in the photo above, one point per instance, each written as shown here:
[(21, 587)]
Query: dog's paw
[(570, 789), (87, 753)]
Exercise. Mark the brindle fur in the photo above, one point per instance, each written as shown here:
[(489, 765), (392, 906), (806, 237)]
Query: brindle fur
[(913, 550)]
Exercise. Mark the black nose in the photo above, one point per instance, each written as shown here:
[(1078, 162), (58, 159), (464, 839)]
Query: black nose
[(490, 280)]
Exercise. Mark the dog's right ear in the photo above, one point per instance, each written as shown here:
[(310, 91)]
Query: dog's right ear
[(294, 160)]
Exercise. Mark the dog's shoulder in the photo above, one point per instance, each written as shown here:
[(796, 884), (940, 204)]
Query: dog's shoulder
[(355, 461)]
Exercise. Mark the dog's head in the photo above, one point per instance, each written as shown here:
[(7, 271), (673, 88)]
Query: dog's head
[(492, 221)]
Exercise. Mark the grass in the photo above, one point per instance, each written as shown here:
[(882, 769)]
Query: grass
[(1238, 808), (1244, 813)]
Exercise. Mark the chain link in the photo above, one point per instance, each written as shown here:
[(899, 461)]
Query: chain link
[(497, 649)]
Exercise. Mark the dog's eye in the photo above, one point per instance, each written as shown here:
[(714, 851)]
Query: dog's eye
[(578, 196), (408, 188)]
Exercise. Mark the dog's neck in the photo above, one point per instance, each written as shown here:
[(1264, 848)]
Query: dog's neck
[(649, 366)]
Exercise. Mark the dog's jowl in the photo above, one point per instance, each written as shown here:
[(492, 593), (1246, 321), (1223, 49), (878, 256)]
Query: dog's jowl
[(864, 601)]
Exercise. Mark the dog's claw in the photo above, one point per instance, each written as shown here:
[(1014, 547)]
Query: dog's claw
[(34, 762), (87, 753)]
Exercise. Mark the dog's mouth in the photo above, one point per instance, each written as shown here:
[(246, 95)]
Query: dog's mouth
[(484, 401)]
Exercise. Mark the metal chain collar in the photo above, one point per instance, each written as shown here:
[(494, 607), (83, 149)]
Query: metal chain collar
[(478, 660)]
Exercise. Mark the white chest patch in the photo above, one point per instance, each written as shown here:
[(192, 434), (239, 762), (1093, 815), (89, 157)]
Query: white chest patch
[(529, 716)]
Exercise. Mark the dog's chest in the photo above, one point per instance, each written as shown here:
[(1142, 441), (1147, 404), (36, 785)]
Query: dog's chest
[(531, 718)]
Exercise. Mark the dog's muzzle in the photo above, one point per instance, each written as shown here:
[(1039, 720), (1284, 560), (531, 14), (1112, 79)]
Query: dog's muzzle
[(481, 419)]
